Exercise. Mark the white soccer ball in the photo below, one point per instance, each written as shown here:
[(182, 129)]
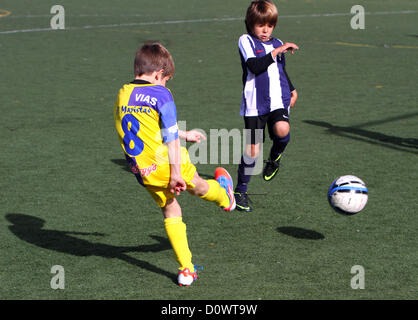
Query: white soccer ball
[(348, 195)]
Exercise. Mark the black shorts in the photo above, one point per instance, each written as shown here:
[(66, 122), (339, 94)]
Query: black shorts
[(259, 122)]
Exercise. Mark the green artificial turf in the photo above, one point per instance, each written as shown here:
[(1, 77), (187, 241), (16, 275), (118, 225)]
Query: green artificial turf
[(67, 198)]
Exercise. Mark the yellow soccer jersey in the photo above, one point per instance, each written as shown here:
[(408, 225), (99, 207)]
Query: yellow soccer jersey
[(146, 118)]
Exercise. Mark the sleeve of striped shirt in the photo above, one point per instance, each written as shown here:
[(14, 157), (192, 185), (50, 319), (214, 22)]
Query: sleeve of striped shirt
[(255, 64), (246, 47), (259, 65)]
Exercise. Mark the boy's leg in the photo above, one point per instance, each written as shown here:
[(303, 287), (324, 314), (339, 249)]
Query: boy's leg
[(280, 140), (254, 136), (173, 222), (246, 167), (176, 232), (279, 133), (245, 170), (210, 190)]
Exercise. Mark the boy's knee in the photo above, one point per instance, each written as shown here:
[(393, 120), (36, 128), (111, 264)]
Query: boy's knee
[(171, 208), (201, 186), (282, 129)]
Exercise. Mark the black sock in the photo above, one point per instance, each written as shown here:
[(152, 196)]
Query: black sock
[(279, 144), (244, 173)]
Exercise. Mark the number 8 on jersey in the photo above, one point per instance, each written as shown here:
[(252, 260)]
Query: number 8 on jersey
[(132, 143)]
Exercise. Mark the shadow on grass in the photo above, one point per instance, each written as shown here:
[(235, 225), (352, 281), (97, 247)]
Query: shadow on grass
[(29, 228), (206, 176), (359, 134), (301, 233), (123, 164)]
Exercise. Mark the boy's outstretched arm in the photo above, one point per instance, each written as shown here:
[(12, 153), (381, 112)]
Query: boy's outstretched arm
[(191, 136), (288, 46), (177, 184), (259, 65)]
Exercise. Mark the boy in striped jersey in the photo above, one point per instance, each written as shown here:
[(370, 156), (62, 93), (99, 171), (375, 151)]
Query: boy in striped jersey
[(267, 94)]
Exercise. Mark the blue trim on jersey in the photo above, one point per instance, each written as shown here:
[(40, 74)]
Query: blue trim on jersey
[(168, 118)]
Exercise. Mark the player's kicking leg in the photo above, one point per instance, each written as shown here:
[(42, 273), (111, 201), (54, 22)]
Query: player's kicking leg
[(220, 191), (225, 181)]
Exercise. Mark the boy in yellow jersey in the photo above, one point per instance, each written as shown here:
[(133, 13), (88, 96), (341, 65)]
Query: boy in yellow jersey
[(146, 123)]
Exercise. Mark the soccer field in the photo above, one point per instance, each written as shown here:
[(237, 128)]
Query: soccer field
[(69, 200)]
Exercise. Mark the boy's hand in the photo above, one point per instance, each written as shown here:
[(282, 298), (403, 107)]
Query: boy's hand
[(293, 98), (177, 184), (288, 46), (194, 136)]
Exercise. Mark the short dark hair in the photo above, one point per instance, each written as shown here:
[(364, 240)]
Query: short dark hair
[(153, 57), (260, 12)]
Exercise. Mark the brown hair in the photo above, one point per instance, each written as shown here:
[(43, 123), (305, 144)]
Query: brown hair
[(153, 57), (260, 12)]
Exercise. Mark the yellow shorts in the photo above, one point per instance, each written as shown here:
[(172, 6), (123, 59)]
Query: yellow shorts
[(157, 183)]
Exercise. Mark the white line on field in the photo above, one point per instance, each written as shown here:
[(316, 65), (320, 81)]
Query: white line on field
[(81, 15), (133, 24)]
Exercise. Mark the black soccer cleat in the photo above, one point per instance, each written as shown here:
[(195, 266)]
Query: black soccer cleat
[(243, 202), (271, 168)]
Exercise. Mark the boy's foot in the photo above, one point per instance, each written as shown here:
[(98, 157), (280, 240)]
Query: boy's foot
[(186, 278), (225, 181), (243, 202), (271, 168)]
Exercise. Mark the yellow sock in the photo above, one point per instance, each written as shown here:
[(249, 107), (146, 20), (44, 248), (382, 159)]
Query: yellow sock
[(216, 194), (176, 232)]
